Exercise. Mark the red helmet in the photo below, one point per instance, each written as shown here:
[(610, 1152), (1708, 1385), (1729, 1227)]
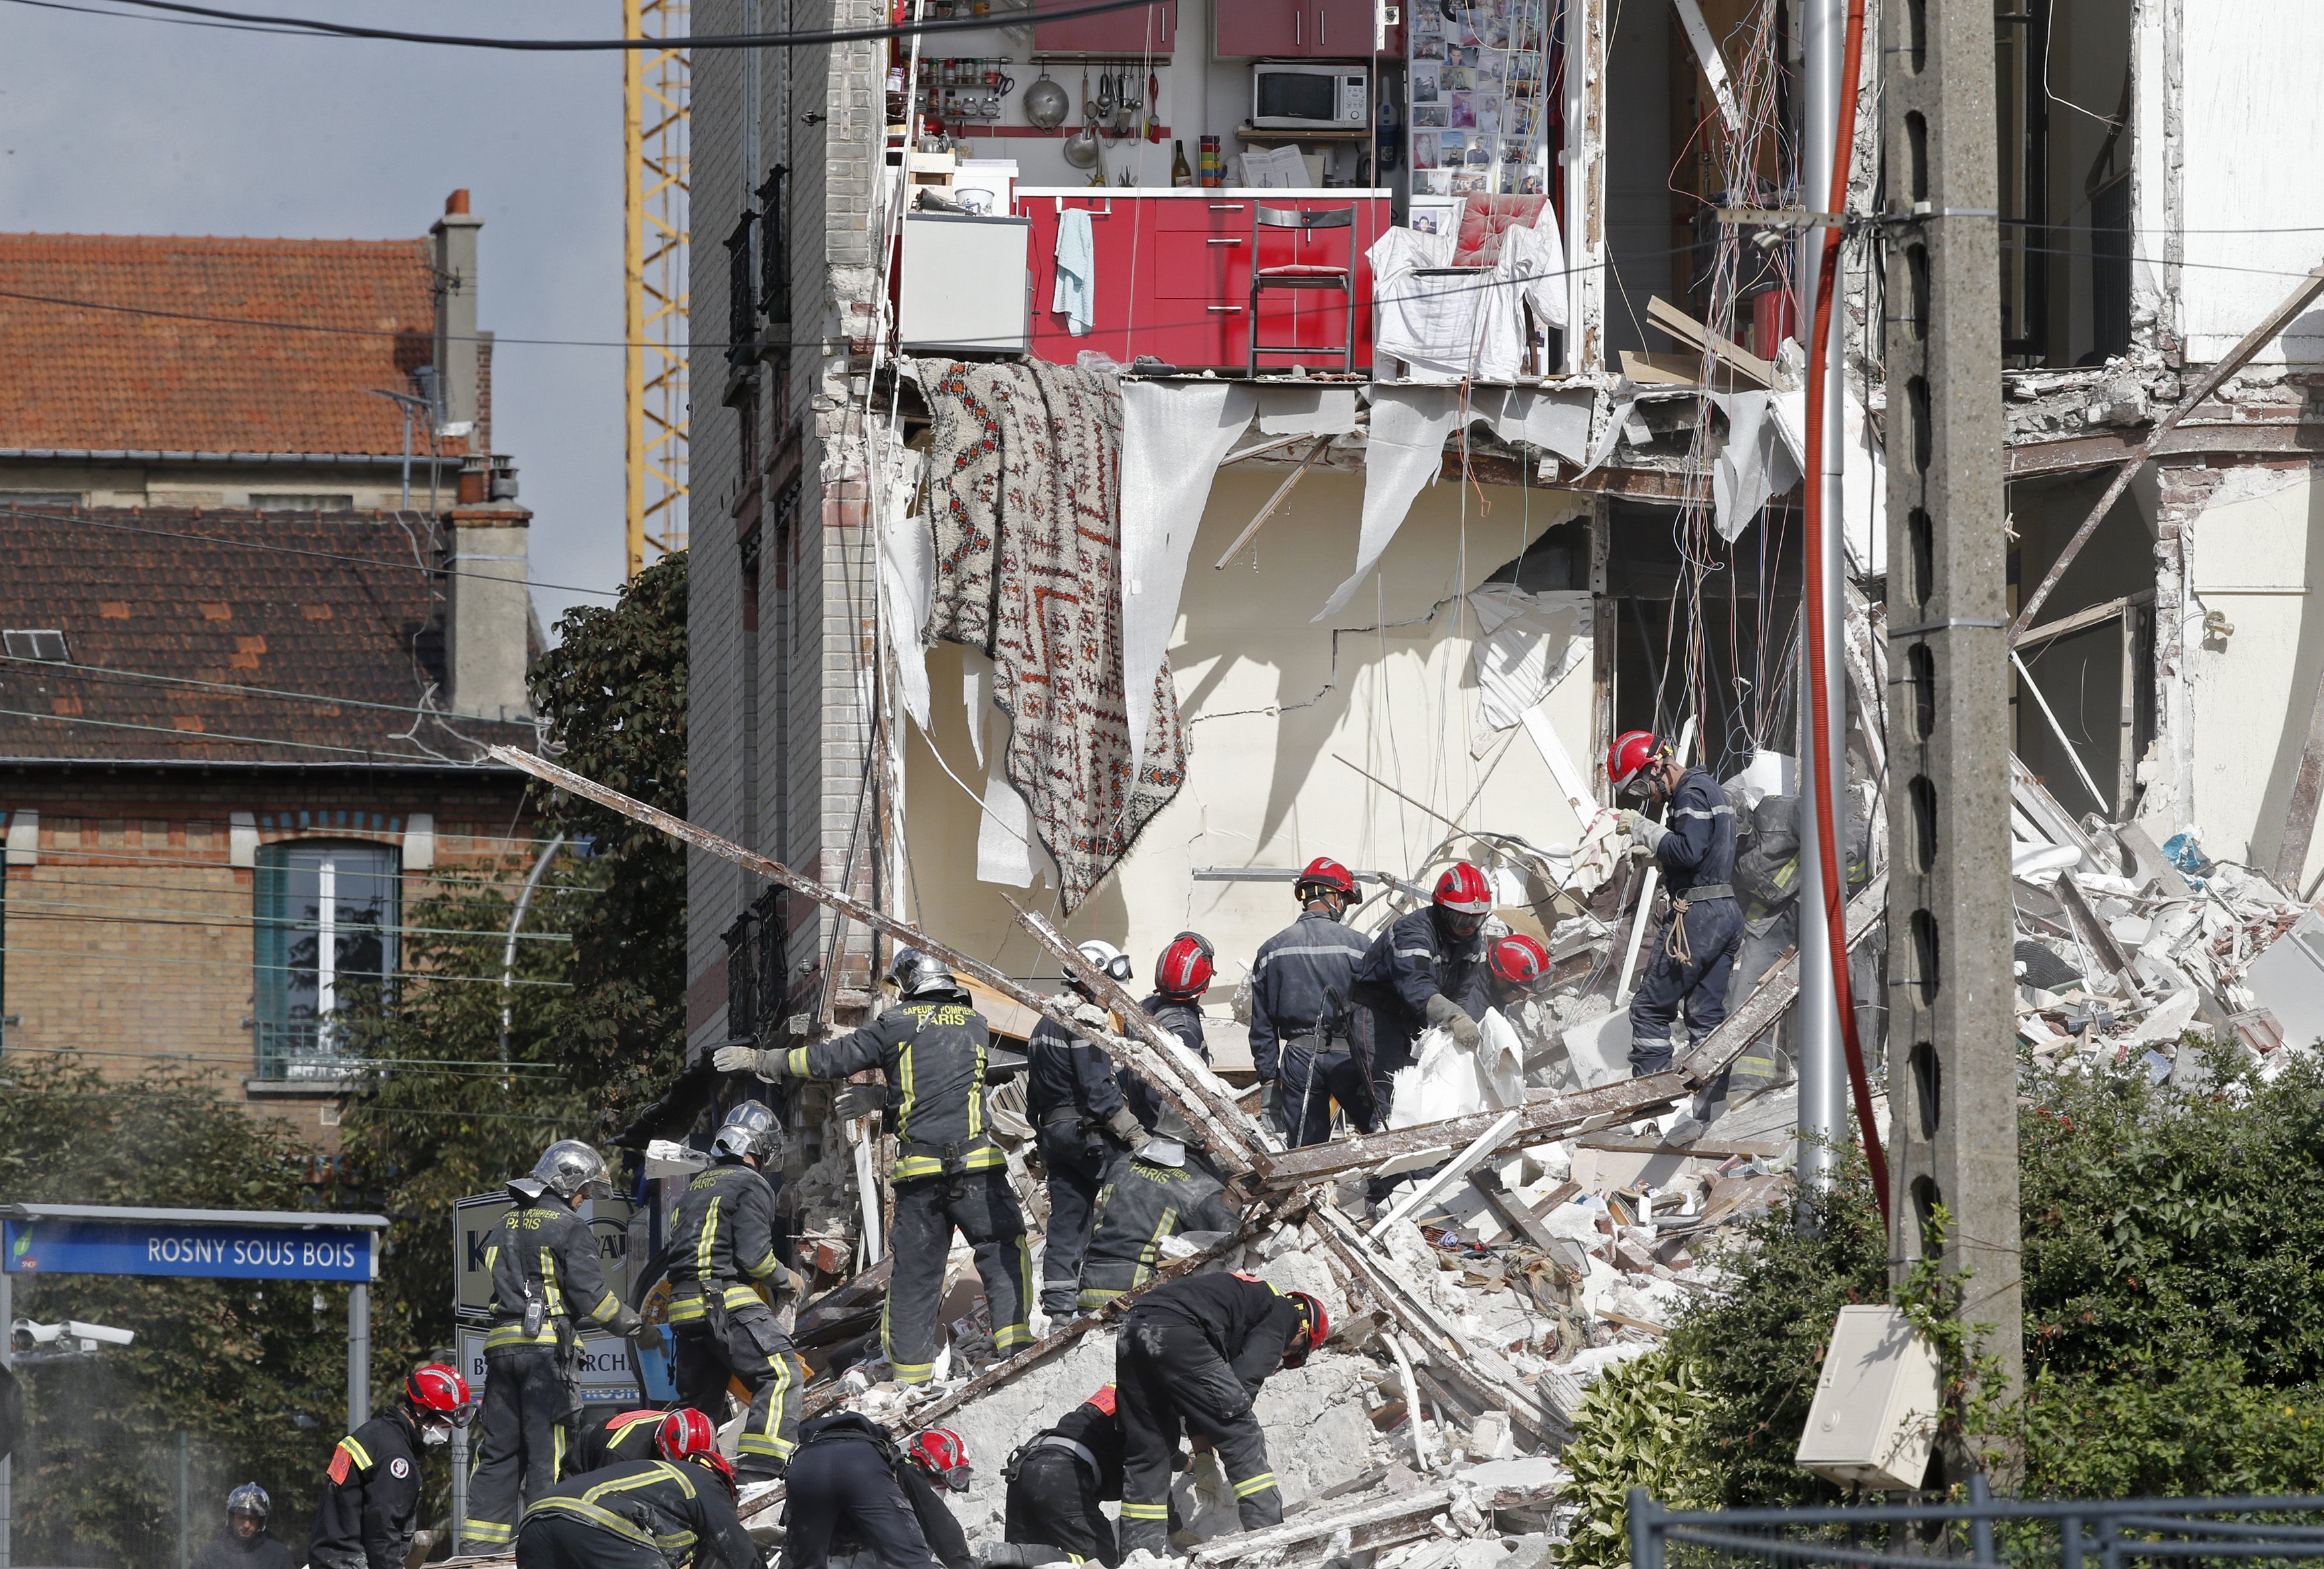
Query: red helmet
[(1104, 1399), (1632, 751), (1184, 969), (717, 1465), (1519, 961), (1314, 1327), (1326, 875), (685, 1433), (1463, 890), (939, 1452), (439, 1391)]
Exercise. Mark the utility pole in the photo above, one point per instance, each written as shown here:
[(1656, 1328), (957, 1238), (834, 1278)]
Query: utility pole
[(1952, 1057), (1822, 1069)]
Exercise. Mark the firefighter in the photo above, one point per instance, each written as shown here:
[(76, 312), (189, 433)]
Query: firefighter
[(850, 1492), (721, 1236), (245, 1544), (1300, 985), (1191, 1359), (1517, 967), (640, 1435), (1427, 968), (931, 1047), (370, 1492), (641, 1514), (1695, 943), (1181, 976), (1155, 1194), (546, 1284), (1059, 1477), (1085, 1128)]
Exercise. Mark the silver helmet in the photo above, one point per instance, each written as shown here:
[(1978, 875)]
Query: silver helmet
[(914, 972), (250, 1498), (749, 1131), (571, 1169), (1108, 960)]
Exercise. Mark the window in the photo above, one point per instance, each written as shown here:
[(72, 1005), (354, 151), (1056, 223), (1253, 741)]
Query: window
[(301, 501), (742, 307), (327, 920), (774, 250), (35, 643)]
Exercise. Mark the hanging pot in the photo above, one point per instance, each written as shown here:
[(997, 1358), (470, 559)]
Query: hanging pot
[(1046, 103), (1081, 147)]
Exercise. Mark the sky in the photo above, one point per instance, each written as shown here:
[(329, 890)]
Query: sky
[(132, 127)]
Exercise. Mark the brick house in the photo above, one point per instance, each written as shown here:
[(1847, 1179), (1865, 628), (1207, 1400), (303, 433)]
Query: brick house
[(244, 684)]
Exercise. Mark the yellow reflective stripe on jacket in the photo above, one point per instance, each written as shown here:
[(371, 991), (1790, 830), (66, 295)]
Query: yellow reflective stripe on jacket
[(796, 1064), (356, 1452), (904, 1086), (552, 1296), (491, 1531), (1130, 1511), (1167, 1226), (980, 1159), (975, 1101), (704, 1244), (1260, 1483), (688, 1307), (764, 1267), (507, 1334)]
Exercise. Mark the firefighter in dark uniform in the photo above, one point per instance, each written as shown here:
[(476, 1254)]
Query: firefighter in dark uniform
[(1085, 1128), (1694, 946), (1426, 969), (641, 1514), (1155, 1194), (245, 1544), (1300, 986), (1059, 1477), (851, 1493), (370, 1505), (546, 1284), (640, 1435), (1181, 976), (721, 1236), (1192, 1356), (931, 1047)]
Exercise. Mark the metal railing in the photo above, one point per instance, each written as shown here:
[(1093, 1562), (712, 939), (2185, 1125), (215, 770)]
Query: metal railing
[(2064, 1534)]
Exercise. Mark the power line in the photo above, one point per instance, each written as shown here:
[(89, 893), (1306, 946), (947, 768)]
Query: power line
[(313, 28), (109, 916), (371, 756), (360, 1065), (109, 673), (79, 521), (351, 978), (124, 1091), (136, 857)]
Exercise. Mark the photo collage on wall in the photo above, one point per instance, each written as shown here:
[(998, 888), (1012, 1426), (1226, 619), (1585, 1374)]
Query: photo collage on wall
[(1479, 85)]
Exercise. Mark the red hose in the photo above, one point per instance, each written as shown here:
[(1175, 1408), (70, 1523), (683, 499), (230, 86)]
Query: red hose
[(1835, 897)]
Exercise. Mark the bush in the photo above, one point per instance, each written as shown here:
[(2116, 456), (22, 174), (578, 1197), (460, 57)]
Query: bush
[(1635, 1428)]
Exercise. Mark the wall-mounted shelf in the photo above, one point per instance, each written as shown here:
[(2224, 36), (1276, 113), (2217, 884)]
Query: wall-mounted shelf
[(1336, 134)]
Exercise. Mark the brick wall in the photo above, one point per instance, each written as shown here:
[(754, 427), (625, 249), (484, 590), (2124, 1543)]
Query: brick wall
[(132, 938)]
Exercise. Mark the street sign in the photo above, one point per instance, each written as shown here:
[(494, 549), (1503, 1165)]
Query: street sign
[(47, 1245), (473, 1221), (609, 1372)]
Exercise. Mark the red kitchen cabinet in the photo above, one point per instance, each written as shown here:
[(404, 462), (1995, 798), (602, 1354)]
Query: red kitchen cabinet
[(1341, 29), (1295, 29), (1141, 30), (1174, 277)]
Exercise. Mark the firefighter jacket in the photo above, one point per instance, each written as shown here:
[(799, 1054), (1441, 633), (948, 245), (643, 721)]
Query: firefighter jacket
[(721, 1235), (1301, 983), (1145, 1204), (1408, 964), (1180, 1017), (1697, 847), (932, 1049), (371, 1497), (1091, 1435), (940, 1526), (677, 1510), (1069, 1073), (542, 1249), (626, 1436), (1246, 1321), (227, 1551)]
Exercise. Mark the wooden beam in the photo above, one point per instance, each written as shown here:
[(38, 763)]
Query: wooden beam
[(2083, 620), (2258, 339), (1267, 511), (1760, 372)]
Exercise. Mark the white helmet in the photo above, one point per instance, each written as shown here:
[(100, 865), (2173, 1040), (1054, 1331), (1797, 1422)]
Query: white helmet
[(1110, 961), (748, 1131), (569, 1168)]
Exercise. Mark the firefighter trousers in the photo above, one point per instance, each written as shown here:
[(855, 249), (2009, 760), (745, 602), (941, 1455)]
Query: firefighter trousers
[(1696, 983), (1170, 1379), (1309, 1084), (755, 1351), (560, 1541), (519, 1441), (1053, 1502), (1078, 1166), (983, 1206), (843, 1486)]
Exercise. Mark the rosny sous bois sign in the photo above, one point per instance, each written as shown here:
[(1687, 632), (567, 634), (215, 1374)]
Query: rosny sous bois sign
[(44, 1245)]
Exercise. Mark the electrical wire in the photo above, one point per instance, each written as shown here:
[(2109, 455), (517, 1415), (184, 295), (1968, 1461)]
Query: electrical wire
[(110, 673), (133, 858), (21, 908), (372, 757), (159, 1053), (398, 977)]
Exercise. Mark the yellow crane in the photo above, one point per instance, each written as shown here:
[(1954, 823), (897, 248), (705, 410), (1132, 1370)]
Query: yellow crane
[(655, 121)]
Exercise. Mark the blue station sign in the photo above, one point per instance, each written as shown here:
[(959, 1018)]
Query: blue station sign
[(45, 1245)]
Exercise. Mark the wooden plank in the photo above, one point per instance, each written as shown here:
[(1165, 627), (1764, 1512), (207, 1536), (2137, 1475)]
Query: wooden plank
[(1522, 1219), (1733, 356), (1707, 1150), (2258, 339), (1267, 511), (2084, 619)]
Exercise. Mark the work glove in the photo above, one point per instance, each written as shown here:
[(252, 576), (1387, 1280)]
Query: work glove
[(1445, 1012), (1641, 851), (739, 1059), (626, 1324), (1644, 831), (1125, 1126), (855, 1101)]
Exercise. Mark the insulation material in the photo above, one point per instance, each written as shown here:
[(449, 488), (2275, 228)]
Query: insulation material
[(906, 577), (1406, 455), (1547, 419), (976, 696), (1448, 1080), (1006, 849), (1172, 437), (1532, 642), (1293, 411), (1759, 461)]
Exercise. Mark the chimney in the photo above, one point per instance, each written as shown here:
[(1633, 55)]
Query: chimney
[(488, 615), (456, 349)]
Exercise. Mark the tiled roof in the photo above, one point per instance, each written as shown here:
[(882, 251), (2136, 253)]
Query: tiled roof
[(175, 592), (109, 379)]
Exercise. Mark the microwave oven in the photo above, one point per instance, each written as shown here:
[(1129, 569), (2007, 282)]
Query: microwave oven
[(1303, 98)]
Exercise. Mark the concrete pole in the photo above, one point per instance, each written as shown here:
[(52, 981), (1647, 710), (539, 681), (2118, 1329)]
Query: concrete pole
[(1822, 1067), (1952, 1068), (459, 1488), (358, 1355), (8, 1362)]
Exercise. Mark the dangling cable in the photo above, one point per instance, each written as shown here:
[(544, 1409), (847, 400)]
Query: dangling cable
[(1835, 899)]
